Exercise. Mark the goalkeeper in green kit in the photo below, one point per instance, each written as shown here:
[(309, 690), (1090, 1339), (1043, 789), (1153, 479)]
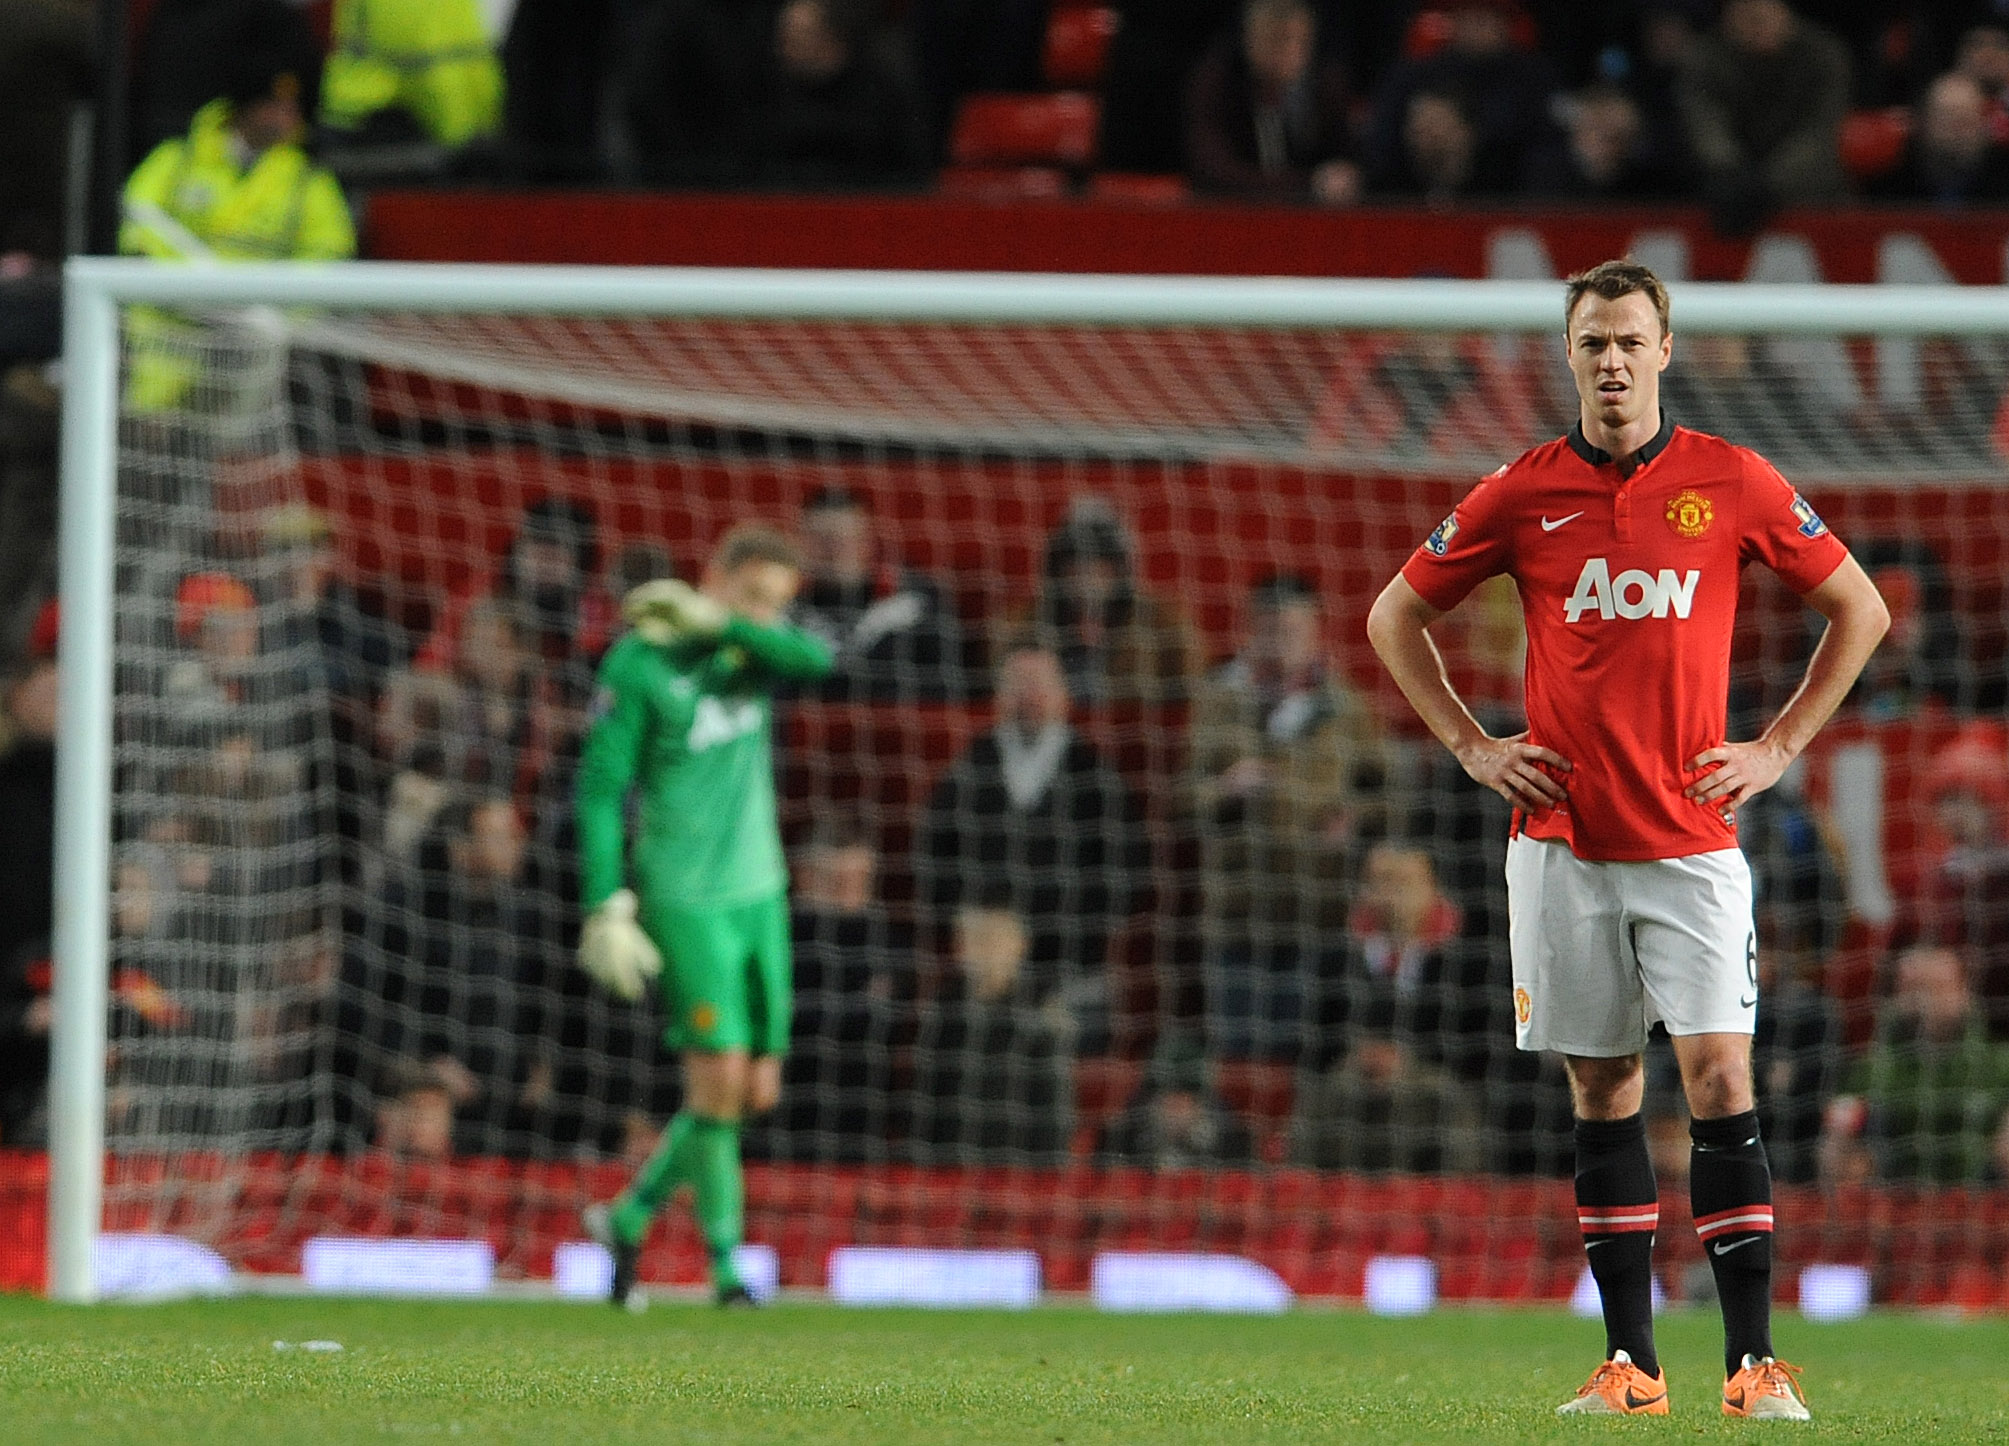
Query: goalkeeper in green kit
[(682, 717)]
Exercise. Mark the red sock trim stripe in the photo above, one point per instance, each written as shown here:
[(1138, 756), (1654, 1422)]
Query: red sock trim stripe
[(1745, 1219), (1617, 1219)]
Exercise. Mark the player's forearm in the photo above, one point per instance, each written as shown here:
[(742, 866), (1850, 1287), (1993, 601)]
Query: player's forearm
[(602, 866), (1401, 640), (1845, 646), (606, 772), (785, 651)]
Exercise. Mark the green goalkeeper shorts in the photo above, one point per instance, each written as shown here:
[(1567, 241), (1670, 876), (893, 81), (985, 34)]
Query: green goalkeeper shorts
[(728, 975)]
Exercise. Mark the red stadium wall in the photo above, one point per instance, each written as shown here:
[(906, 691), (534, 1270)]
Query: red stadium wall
[(1492, 1239), (942, 234)]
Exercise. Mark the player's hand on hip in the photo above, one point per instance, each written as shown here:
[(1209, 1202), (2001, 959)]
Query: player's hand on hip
[(1515, 769), (615, 951), (1736, 773)]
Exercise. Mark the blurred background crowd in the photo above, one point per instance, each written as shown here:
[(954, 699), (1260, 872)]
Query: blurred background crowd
[(1155, 897), (1745, 105), (1165, 896)]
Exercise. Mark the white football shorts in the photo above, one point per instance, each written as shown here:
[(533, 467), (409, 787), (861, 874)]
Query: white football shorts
[(1602, 950)]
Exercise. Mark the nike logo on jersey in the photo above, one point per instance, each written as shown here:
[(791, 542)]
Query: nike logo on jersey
[(1548, 526), (1749, 1001), (1724, 1247), (1632, 595)]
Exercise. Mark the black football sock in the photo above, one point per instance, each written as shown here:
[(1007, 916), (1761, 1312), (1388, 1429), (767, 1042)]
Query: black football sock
[(1730, 1186), (1618, 1209)]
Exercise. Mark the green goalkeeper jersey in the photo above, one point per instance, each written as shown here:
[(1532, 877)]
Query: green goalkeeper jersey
[(689, 728)]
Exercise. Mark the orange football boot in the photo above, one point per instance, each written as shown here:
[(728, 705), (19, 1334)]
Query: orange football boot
[(1766, 1389), (1619, 1388)]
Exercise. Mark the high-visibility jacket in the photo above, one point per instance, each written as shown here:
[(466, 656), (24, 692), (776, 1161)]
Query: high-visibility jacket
[(195, 196), (430, 57), (281, 207)]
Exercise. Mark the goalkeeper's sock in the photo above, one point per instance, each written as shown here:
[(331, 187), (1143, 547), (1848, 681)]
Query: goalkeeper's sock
[(1618, 1209), (1730, 1187), (673, 1162), (720, 1194)]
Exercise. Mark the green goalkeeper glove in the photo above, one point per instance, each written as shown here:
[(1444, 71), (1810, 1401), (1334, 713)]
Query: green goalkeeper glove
[(669, 610), (615, 951)]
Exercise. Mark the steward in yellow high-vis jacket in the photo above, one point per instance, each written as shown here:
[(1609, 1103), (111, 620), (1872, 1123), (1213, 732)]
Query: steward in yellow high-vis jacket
[(429, 58), (237, 187)]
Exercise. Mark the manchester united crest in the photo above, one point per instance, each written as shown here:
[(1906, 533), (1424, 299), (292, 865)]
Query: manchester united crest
[(1689, 513), (1523, 1005)]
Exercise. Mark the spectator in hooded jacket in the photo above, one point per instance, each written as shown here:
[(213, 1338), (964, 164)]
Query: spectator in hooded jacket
[(893, 633), (1267, 113), (844, 109), (239, 186), (990, 1061), (1953, 159), (1178, 1121), (1286, 768), (1501, 90), (1603, 155), (1929, 1101), (1763, 98), (854, 986), (734, 93), (1117, 642), (1032, 806)]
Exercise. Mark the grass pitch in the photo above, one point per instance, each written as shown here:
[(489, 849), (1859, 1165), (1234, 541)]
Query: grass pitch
[(576, 1375)]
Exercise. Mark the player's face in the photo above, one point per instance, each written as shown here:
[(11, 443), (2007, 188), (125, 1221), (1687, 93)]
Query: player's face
[(759, 591), (1617, 352)]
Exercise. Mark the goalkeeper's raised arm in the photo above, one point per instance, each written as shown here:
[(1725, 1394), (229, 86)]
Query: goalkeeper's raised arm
[(683, 721), (691, 676)]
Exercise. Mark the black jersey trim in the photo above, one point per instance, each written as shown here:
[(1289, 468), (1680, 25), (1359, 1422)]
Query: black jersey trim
[(1598, 457)]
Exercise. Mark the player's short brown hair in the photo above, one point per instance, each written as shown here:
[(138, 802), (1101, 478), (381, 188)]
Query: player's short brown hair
[(755, 542), (1613, 279)]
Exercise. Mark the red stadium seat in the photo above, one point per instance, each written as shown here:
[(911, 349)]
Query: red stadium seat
[(1077, 46), (1000, 129), (1873, 141)]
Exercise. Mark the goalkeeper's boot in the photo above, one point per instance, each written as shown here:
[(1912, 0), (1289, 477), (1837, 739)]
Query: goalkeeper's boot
[(1619, 1388), (626, 1255), (735, 1297), (1766, 1389)]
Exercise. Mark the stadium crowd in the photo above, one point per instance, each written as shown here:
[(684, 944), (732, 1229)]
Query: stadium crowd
[(1744, 105), (1252, 925), (1256, 926)]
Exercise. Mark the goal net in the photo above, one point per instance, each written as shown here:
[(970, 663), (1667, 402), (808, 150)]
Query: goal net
[(1132, 910)]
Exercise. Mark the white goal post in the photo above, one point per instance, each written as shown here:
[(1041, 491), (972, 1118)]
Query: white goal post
[(98, 288)]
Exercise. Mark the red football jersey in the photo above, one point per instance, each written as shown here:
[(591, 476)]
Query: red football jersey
[(1629, 588)]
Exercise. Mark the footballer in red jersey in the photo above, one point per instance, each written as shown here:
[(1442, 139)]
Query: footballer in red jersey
[(1629, 902)]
